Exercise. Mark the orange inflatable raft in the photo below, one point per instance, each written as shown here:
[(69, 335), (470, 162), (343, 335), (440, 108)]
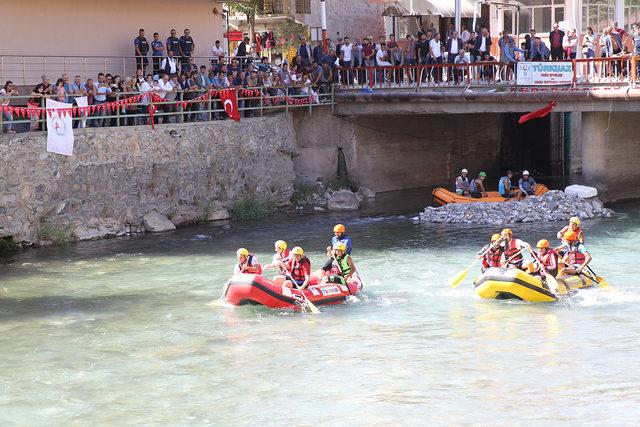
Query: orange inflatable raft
[(443, 196)]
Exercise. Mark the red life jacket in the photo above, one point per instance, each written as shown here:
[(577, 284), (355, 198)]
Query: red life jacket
[(578, 231), (247, 263), (285, 259), (300, 269), (549, 259), (575, 257), (511, 251), (493, 258)]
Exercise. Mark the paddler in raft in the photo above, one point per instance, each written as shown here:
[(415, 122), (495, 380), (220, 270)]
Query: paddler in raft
[(281, 260), (507, 189), (343, 267), (299, 269), (247, 263), (512, 249), (548, 258), (574, 255), (574, 225), (339, 236), (491, 253), (462, 184)]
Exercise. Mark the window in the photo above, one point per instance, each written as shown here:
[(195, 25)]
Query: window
[(631, 13), (273, 7), (316, 33), (303, 6), (598, 14)]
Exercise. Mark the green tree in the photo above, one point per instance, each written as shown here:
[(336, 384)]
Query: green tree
[(250, 9)]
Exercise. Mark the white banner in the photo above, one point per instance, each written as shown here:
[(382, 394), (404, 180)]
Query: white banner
[(544, 73), (59, 128)]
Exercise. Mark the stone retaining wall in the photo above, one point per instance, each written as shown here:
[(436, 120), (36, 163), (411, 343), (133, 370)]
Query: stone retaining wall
[(117, 175)]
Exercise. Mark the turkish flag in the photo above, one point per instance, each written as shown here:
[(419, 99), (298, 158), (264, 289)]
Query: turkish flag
[(230, 103), (538, 113)]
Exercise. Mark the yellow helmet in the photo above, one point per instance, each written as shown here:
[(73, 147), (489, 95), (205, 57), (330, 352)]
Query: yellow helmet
[(297, 251), (339, 228), (575, 220), (570, 236), (340, 247), (281, 244), (544, 243), (242, 252), (495, 237), (507, 231)]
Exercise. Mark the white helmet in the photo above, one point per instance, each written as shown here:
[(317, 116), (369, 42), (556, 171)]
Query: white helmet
[(464, 171), (525, 172)]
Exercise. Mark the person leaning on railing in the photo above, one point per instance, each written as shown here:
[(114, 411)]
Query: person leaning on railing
[(7, 91)]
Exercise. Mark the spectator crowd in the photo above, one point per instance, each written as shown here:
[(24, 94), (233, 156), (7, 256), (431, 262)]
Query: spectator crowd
[(173, 74)]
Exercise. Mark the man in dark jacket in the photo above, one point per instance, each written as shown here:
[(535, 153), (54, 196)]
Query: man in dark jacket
[(529, 40), (454, 44), (483, 43), (556, 37)]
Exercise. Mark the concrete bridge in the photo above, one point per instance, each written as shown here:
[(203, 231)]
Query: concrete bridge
[(402, 138)]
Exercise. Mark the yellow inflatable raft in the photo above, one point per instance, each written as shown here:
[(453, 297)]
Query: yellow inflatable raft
[(443, 196), (512, 283)]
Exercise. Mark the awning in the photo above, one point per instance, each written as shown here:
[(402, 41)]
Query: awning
[(444, 8)]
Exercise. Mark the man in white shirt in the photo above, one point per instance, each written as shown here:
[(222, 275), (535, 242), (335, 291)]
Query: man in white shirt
[(165, 86), (169, 64), (100, 91), (459, 72), (454, 44), (465, 35), (346, 56), (435, 57), (217, 52)]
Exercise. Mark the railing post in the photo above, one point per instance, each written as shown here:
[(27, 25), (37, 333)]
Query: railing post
[(261, 104), (209, 113), (117, 110), (286, 99), (634, 68), (574, 65), (181, 93)]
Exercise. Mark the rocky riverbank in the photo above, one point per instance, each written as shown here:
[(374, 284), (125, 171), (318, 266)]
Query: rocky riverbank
[(552, 206)]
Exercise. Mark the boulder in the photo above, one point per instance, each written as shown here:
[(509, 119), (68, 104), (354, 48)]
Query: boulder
[(218, 215), (367, 193), (343, 200), (155, 222), (581, 191)]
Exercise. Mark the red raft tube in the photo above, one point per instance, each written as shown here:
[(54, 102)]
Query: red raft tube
[(243, 289)]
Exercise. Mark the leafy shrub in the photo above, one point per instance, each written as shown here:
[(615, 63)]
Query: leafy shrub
[(251, 208), (57, 234)]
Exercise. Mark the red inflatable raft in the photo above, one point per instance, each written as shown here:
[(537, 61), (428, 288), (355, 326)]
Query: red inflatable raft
[(245, 289)]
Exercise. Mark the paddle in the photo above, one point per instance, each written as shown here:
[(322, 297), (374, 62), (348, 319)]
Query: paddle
[(458, 278), (603, 283), (551, 281), (312, 308)]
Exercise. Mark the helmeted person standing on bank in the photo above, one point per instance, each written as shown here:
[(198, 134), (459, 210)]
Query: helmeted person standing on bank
[(141, 47)]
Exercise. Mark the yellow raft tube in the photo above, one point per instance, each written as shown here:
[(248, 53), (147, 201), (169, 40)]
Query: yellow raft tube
[(512, 283)]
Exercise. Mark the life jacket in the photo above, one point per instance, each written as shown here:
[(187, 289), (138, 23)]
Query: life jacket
[(299, 268), (501, 187), (472, 185), (493, 258), (575, 257), (549, 260), (578, 231), (464, 180), (248, 264), (285, 259), (342, 264), (511, 251)]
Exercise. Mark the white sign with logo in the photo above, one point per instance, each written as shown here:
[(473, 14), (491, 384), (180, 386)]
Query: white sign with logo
[(59, 128), (544, 73)]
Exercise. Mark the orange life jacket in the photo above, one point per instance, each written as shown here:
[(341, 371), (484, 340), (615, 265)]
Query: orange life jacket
[(300, 269)]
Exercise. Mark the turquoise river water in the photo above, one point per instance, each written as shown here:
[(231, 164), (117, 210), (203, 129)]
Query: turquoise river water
[(119, 332)]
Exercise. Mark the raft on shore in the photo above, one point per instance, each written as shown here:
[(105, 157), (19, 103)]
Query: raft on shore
[(243, 289), (513, 283), (442, 196)]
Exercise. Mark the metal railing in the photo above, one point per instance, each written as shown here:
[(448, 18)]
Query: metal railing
[(184, 108), (27, 70), (609, 70)]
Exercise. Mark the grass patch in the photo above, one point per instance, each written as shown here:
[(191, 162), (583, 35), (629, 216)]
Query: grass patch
[(57, 234), (336, 184), (302, 195), (252, 208)]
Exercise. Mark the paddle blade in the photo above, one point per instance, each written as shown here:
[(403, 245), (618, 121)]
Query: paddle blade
[(312, 308), (552, 283), (603, 284), (458, 278)]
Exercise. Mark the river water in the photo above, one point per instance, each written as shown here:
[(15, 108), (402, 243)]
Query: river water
[(119, 332)]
